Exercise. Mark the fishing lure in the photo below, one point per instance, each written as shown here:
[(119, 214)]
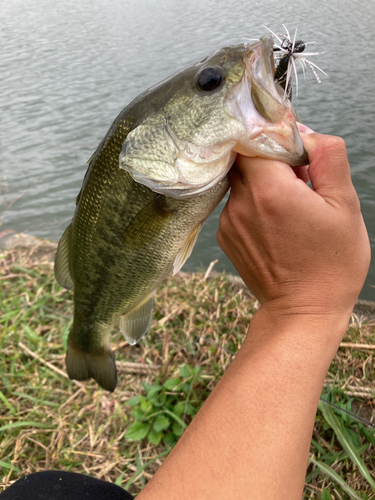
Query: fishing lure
[(286, 53)]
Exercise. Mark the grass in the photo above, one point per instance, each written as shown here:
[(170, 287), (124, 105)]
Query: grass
[(50, 422)]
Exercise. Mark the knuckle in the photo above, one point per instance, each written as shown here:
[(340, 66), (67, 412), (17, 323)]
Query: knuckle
[(351, 200), (230, 214), (334, 144)]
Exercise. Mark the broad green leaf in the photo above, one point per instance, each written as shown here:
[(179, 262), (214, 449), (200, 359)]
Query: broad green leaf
[(183, 407), (158, 401), (190, 410), (133, 401), (171, 383), (179, 408), (162, 397), (153, 392), (161, 423), (177, 429), (176, 418), (145, 405), (369, 434), (169, 439), (137, 414), (186, 371), (154, 437), (326, 495), (328, 471), (185, 388), (352, 436), (346, 442), (137, 431), (146, 386)]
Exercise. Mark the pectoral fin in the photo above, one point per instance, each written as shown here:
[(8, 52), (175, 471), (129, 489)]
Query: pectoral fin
[(148, 223), (62, 271), (186, 250), (135, 324)]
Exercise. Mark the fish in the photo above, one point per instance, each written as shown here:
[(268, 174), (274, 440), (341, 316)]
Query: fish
[(157, 175)]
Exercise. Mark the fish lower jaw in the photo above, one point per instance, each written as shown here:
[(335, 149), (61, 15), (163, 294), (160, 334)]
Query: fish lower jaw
[(269, 147)]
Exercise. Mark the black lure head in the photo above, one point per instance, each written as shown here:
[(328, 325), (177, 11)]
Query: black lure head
[(282, 68), (286, 53)]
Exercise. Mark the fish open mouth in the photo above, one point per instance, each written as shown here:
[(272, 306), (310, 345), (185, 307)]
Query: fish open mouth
[(258, 102), (260, 69)]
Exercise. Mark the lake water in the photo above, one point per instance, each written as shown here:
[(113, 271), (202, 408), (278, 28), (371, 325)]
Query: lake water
[(67, 68)]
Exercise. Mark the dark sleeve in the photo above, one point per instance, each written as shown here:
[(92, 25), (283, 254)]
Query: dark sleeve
[(62, 485)]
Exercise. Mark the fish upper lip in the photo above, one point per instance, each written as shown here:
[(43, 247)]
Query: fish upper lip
[(260, 66), (269, 118)]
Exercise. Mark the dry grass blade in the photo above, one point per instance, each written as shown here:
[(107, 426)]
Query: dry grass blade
[(46, 363), (353, 345)]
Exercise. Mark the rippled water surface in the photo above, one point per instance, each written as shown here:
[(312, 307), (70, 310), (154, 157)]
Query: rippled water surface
[(68, 68)]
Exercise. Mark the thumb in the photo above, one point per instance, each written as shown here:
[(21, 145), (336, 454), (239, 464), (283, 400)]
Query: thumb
[(329, 169)]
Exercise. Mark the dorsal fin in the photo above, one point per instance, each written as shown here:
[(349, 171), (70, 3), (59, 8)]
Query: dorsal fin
[(62, 271)]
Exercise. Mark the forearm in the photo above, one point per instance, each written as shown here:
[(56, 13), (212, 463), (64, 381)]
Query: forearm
[(251, 438), (305, 254)]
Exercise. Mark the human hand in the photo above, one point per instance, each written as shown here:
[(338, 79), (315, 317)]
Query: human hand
[(300, 250)]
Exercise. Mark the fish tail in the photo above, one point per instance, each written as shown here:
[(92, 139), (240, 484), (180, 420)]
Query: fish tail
[(100, 366)]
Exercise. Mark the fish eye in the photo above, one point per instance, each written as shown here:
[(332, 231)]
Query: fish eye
[(209, 79)]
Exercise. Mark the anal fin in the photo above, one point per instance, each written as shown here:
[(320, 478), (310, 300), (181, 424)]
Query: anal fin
[(135, 324), (186, 249), (62, 271)]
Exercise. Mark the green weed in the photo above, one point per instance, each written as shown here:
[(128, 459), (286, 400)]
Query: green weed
[(164, 412)]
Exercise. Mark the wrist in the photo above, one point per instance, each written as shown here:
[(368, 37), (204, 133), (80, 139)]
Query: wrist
[(308, 304), (299, 336)]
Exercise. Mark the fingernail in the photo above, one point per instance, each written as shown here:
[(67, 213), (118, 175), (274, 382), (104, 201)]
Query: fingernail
[(303, 129)]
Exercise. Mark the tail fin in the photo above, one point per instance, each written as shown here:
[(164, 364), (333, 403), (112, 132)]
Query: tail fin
[(101, 367)]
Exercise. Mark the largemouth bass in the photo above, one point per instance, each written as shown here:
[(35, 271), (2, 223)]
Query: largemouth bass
[(153, 181)]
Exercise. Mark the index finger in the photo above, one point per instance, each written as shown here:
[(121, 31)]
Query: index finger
[(329, 168), (246, 165)]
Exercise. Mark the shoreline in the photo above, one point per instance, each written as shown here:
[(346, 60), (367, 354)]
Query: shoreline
[(10, 240)]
